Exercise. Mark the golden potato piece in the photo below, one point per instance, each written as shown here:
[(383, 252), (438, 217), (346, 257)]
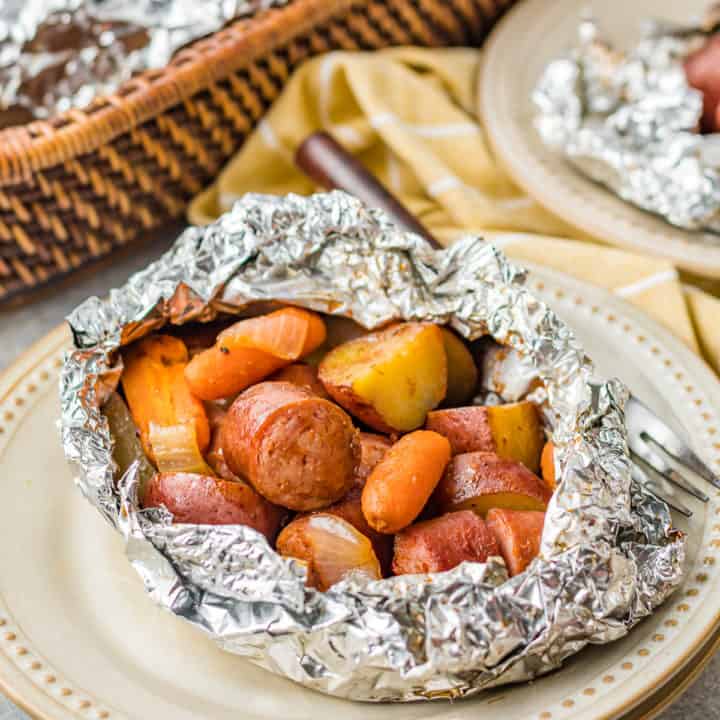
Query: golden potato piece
[(511, 431), (389, 379), (517, 433), (462, 371), (480, 481)]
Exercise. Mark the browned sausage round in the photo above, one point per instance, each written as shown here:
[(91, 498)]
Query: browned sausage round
[(207, 500), (295, 449), (441, 544)]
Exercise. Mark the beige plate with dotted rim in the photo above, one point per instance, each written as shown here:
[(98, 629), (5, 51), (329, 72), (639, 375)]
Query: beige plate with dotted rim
[(533, 33), (80, 639)]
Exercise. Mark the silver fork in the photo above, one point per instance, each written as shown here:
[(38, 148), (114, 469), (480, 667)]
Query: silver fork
[(662, 460)]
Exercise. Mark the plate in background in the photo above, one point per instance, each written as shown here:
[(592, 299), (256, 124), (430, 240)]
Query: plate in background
[(532, 34)]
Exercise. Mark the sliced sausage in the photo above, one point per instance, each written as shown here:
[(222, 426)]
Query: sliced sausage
[(295, 449), (443, 543), (518, 533), (207, 500)]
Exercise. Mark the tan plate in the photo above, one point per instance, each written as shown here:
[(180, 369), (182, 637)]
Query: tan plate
[(533, 33), (79, 639)]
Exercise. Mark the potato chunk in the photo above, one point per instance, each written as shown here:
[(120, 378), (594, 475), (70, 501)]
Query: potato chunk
[(462, 372), (391, 378), (511, 431), (480, 481)]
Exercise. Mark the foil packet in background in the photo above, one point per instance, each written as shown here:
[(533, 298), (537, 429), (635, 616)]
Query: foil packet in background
[(630, 121), (609, 553), (60, 54)]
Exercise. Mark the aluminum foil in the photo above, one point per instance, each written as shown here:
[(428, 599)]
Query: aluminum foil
[(60, 54), (630, 121), (609, 553)]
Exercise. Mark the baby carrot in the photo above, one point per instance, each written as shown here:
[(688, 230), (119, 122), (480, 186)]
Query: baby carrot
[(402, 482), (252, 349)]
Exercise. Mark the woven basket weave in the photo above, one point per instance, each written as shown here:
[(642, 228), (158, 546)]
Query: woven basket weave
[(75, 188)]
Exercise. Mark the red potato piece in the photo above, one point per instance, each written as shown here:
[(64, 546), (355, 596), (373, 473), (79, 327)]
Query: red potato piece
[(512, 431), (302, 375), (372, 450), (519, 533), (480, 481), (330, 547), (295, 449), (207, 500), (443, 543), (701, 69)]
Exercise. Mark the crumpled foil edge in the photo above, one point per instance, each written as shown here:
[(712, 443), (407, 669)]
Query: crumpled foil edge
[(609, 554)]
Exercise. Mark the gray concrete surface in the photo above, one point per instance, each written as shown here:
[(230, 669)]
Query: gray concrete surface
[(21, 326)]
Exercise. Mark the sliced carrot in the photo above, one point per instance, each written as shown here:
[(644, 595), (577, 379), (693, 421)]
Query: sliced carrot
[(251, 350), (156, 390), (402, 482), (223, 372), (286, 334)]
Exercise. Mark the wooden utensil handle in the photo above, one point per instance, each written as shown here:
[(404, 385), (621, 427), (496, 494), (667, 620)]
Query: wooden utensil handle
[(327, 162)]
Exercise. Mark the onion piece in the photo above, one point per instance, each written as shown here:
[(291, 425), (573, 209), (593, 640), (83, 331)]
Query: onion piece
[(175, 449), (331, 547)]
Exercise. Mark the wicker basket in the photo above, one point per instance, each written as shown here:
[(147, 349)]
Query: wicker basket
[(75, 188)]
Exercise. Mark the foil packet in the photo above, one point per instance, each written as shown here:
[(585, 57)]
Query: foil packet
[(630, 121), (609, 553), (60, 54)]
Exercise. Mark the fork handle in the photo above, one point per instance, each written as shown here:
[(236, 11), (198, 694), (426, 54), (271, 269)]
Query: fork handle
[(331, 166)]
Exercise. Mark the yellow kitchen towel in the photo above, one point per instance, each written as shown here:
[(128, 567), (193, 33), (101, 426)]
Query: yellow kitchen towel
[(408, 114)]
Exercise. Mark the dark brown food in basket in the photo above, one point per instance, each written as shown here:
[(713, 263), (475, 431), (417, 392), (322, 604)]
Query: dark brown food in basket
[(296, 449)]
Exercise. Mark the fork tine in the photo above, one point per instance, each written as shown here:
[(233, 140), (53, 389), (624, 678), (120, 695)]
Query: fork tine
[(649, 459), (654, 488), (689, 459), (645, 423)]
